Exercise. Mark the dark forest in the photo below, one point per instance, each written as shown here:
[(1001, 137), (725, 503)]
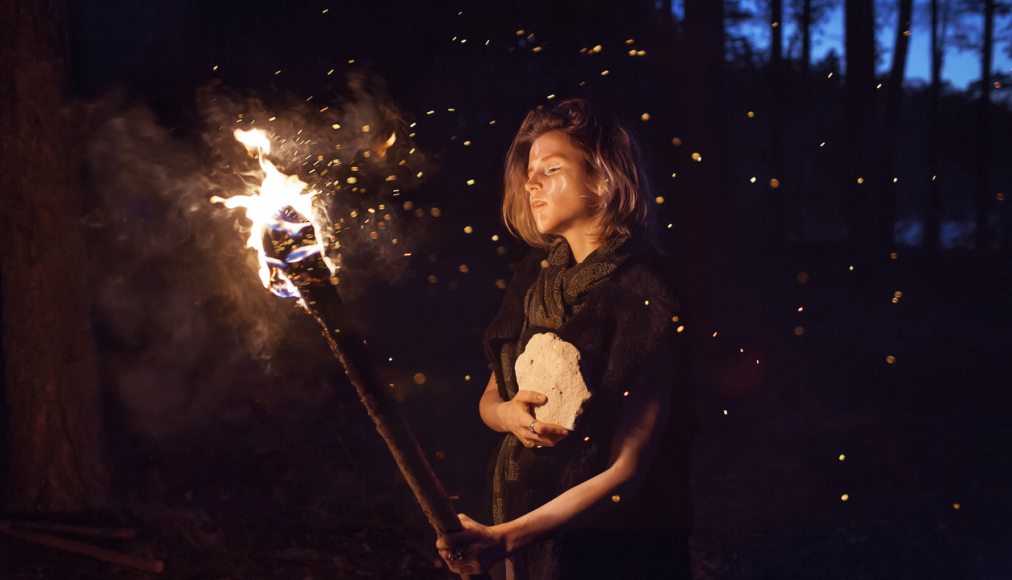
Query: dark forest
[(841, 232)]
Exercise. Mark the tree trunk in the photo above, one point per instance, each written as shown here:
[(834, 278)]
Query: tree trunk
[(859, 95), (894, 110), (50, 378), (777, 205), (982, 194), (806, 37), (933, 211), (804, 167)]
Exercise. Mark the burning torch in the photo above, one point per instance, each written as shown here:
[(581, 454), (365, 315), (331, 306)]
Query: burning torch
[(290, 237)]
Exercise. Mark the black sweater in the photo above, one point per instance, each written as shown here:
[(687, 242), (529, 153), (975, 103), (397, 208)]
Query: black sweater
[(627, 339)]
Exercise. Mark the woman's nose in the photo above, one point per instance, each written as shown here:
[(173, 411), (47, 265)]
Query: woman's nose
[(532, 183)]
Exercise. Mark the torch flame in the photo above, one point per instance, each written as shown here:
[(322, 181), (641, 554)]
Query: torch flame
[(279, 194), (381, 149), (255, 141)]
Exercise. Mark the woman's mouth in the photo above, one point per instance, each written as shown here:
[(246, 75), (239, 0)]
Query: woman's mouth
[(538, 204)]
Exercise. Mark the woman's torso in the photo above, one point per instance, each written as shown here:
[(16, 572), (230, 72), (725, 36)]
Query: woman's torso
[(525, 478)]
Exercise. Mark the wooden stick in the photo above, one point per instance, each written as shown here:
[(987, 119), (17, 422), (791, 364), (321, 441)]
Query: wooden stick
[(152, 565), (81, 530), (326, 306), (312, 278)]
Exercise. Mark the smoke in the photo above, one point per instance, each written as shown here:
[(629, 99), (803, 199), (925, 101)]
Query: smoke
[(185, 327)]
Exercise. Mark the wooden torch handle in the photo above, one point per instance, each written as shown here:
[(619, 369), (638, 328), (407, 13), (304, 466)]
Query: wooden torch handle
[(349, 348)]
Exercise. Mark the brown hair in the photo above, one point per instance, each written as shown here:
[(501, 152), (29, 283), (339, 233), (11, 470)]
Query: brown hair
[(610, 153)]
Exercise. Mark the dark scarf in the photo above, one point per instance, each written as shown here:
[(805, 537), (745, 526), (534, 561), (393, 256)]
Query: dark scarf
[(562, 287), (558, 293)]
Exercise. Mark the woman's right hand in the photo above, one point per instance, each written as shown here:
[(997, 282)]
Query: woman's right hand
[(517, 413)]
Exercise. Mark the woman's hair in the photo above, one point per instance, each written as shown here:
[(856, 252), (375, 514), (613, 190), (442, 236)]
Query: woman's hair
[(610, 153)]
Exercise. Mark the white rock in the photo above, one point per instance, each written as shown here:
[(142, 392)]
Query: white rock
[(551, 366)]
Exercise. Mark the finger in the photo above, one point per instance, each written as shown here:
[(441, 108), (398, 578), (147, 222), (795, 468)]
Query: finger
[(557, 438), (544, 441), (530, 440), (556, 434), (451, 539), (529, 396), (447, 557), (550, 430), (540, 436), (523, 432), (553, 429), (540, 427), (467, 523), (445, 554), (549, 442)]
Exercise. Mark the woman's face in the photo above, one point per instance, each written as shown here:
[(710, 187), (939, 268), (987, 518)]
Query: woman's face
[(557, 184)]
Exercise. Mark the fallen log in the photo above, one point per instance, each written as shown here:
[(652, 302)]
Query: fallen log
[(76, 529), (152, 565)]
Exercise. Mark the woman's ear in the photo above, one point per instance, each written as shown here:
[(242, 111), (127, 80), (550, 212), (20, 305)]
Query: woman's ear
[(604, 191)]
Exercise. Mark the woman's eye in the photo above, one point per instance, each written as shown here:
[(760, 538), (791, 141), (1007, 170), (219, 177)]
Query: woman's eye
[(551, 170)]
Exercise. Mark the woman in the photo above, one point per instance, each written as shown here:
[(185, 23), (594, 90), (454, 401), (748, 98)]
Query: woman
[(610, 499)]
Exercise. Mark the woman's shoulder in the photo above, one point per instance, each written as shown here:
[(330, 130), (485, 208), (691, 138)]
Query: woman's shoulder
[(648, 275)]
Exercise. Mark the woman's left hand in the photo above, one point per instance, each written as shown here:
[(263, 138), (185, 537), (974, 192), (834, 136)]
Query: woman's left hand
[(482, 546)]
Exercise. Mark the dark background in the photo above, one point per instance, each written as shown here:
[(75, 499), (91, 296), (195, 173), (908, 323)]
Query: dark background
[(222, 429)]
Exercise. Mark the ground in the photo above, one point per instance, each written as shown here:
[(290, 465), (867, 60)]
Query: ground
[(298, 492)]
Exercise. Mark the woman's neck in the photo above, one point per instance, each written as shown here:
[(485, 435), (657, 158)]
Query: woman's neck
[(583, 239)]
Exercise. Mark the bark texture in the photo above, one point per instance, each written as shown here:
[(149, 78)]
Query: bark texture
[(50, 379)]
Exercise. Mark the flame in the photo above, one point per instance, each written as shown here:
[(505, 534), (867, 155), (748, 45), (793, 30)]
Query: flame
[(381, 149), (254, 140), (271, 207)]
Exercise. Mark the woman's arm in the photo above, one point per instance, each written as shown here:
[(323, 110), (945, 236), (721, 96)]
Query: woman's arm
[(644, 414), (514, 415), (488, 406)]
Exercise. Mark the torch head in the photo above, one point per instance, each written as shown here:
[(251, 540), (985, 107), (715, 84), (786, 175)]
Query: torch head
[(293, 254), (289, 231)]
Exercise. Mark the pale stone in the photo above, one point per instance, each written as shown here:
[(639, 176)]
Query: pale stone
[(551, 366)]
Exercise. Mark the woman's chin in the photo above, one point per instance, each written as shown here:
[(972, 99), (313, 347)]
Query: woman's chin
[(545, 227)]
